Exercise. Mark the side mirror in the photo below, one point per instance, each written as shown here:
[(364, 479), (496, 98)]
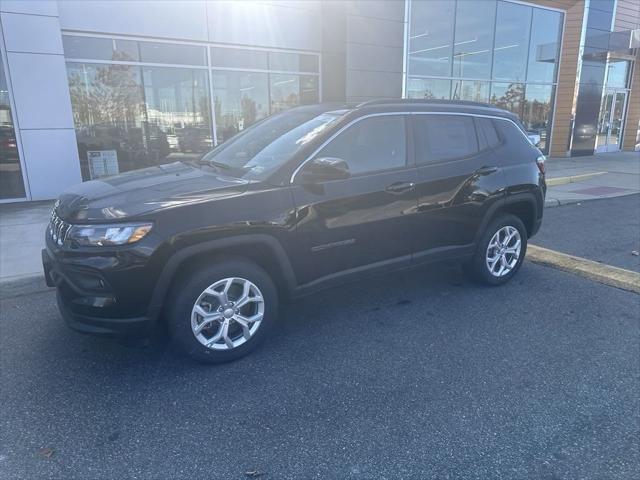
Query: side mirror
[(534, 138), (325, 169)]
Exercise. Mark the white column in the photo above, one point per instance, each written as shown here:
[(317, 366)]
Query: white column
[(38, 78)]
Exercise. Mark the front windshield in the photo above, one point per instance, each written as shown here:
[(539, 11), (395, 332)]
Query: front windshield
[(261, 149)]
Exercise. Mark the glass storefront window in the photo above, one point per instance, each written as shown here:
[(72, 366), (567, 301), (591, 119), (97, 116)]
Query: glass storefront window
[(291, 90), (108, 110), (473, 45), (546, 27), (98, 48), (11, 184), (177, 112), (240, 99), (132, 116), (129, 117), (87, 47), (617, 74), (470, 90), (309, 90), (293, 62), (509, 96), (431, 37), (238, 58), (536, 115), (285, 92), (512, 41), (160, 52), (429, 88), (498, 50)]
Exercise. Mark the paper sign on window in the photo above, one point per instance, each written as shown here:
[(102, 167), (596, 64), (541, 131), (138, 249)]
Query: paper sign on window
[(102, 163)]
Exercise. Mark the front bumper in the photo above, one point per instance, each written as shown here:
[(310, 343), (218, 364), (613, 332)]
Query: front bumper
[(89, 304), (112, 327)]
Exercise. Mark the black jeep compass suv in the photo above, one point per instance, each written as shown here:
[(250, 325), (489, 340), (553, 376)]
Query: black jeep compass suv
[(298, 201)]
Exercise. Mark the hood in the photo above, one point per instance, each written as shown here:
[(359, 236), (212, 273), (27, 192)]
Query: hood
[(143, 191)]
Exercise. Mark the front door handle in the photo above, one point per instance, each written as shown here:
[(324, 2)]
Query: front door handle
[(486, 170), (400, 187)]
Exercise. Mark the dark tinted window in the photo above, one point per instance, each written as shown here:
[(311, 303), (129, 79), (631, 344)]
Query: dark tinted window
[(238, 58), (444, 137), (487, 133), (372, 144), (520, 148), (87, 47), (157, 52), (100, 48), (293, 62)]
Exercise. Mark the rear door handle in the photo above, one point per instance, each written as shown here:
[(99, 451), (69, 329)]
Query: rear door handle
[(486, 170), (400, 187)]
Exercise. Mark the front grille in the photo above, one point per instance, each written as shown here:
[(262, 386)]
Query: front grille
[(58, 228)]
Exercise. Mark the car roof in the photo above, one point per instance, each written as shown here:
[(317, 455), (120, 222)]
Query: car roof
[(408, 105), (430, 105)]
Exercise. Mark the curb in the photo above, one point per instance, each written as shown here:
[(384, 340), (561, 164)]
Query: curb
[(555, 202), (599, 272), (552, 182)]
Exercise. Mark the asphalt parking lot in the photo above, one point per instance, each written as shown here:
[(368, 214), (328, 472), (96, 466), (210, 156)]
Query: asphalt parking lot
[(417, 374), (413, 375), (606, 231)]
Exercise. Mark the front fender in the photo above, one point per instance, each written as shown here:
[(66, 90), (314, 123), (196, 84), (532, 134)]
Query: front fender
[(174, 263)]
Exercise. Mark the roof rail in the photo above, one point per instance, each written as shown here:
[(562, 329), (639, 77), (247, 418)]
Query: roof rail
[(387, 101)]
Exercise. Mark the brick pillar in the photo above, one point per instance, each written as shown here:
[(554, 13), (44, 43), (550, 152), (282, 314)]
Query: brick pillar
[(633, 109)]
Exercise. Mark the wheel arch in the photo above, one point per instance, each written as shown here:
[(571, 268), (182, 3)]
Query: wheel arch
[(522, 205), (265, 250)]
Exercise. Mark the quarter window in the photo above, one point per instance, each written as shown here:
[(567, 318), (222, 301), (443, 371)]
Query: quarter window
[(444, 137), (372, 144), (487, 133)]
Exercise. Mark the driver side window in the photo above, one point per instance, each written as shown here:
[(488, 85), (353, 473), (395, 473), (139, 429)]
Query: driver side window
[(371, 145)]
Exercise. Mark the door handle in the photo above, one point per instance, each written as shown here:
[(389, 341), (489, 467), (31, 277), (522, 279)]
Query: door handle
[(400, 187), (486, 170)]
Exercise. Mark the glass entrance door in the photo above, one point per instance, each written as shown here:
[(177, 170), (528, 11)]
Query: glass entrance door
[(610, 122)]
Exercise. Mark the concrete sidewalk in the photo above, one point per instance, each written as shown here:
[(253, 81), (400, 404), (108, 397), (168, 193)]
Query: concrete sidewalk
[(606, 175), (22, 225), (22, 229)]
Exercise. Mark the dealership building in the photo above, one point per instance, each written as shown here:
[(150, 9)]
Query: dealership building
[(95, 88)]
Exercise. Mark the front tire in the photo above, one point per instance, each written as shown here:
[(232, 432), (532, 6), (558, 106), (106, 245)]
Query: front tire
[(224, 311), (500, 251)]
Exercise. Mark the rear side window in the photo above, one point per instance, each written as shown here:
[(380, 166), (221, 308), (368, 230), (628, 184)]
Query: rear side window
[(444, 137), (520, 149), (511, 133), (371, 145), (487, 133)]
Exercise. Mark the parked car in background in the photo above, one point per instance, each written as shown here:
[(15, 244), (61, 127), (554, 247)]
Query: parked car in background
[(195, 139), (301, 200)]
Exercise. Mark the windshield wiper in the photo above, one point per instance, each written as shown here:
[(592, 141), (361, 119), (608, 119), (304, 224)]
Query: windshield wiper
[(213, 163)]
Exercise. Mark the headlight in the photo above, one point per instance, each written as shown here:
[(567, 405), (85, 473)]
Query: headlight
[(104, 235)]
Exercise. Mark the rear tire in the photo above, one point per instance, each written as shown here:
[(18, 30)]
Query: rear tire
[(222, 312), (500, 251)]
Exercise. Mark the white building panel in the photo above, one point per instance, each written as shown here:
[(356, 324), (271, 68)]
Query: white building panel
[(185, 20), (31, 7), (52, 164), (31, 33), (263, 24), (40, 90)]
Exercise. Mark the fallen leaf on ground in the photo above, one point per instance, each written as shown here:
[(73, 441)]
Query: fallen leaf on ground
[(46, 452)]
